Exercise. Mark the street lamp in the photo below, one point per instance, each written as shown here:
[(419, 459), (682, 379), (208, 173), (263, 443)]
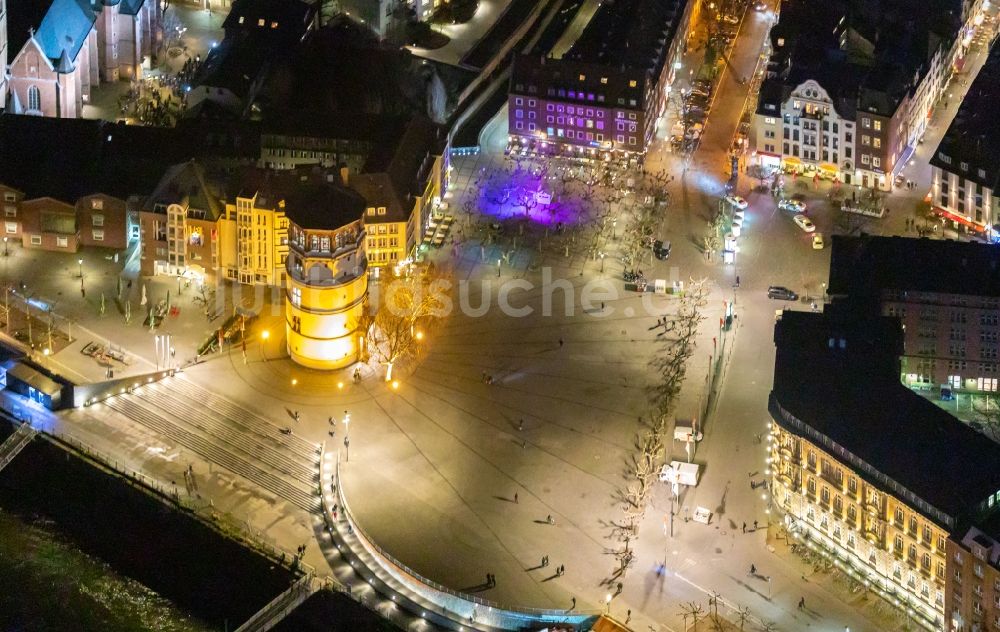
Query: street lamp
[(264, 335), (607, 604), (602, 262), (614, 226), (79, 262), (5, 251)]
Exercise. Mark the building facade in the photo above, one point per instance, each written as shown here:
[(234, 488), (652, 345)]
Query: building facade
[(866, 471), (179, 224), (607, 94), (75, 47), (45, 223), (878, 86), (964, 168), (327, 293), (972, 596), (945, 293)]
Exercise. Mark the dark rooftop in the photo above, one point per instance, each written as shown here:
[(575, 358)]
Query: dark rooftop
[(865, 265), (68, 158), (375, 128), (599, 79), (851, 394), (22, 16), (312, 198), (867, 54), (634, 34), (974, 134)]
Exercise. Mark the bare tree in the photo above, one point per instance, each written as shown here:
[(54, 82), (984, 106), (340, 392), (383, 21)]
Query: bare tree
[(692, 610), (743, 615), (768, 626), (405, 307), (986, 411)]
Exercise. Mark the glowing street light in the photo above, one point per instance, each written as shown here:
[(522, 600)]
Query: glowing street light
[(602, 262), (347, 435)]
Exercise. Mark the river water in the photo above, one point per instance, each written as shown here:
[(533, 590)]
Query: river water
[(47, 584)]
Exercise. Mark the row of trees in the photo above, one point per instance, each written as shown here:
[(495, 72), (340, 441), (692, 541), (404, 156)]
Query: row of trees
[(643, 465)]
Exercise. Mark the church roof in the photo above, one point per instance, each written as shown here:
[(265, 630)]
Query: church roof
[(130, 7), (65, 27)]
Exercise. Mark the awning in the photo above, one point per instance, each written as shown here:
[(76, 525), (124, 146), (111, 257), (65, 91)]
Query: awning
[(792, 160), (955, 217), (828, 167), (31, 377)]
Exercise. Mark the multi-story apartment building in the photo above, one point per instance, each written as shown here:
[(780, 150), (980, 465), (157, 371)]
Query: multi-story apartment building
[(972, 594), (47, 223), (966, 166), (947, 295), (327, 290), (253, 232), (867, 470), (608, 92), (75, 47), (850, 86), (179, 224)]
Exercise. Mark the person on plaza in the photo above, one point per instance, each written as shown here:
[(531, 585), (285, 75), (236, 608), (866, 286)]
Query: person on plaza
[(744, 527), (754, 525), (802, 603), (753, 569), (515, 498)]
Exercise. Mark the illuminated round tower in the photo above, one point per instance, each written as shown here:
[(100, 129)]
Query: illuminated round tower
[(327, 293)]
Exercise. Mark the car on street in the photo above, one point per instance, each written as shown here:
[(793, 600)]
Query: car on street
[(795, 206), (737, 201), (818, 241), (760, 6), (781, 293), (731, 19), (804, 223), (661, 249)]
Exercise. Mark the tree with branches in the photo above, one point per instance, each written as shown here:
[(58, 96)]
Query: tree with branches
[(691, 610), (405, 307), (986, 411), (643, 465)]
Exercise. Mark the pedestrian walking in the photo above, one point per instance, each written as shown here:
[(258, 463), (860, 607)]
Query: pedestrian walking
[(296, 415), (628, 616), (560, 341), (744, 527), (754, 525), (574, 604), (520, 424), (515, 498), (802, 603), (549, 519), (753, 569), (545, 561)]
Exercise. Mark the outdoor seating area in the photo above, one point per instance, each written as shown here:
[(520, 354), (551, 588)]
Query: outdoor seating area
[(438, 227)]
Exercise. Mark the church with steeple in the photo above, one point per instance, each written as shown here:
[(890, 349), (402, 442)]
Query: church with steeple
[(76, 45)]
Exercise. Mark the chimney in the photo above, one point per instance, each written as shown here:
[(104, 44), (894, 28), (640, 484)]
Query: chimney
[(345, 175)]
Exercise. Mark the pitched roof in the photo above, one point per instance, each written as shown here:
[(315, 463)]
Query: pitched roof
[(65, 26), (838, 376), (187, 184)]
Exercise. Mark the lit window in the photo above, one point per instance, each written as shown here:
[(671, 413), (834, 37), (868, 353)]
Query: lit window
[(297, 296), (878, 125), (98, 235), (769, 120), (632, 83), (11, 228), (62, 242), (97, 220), (36, 240), (274, 25), (371, 210), (260, 22), (381, 210), (604, 80), (583, 77)]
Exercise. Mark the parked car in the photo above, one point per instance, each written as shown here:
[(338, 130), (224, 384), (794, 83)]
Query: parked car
[(795, 206), (661, 249), (818, 241), (697, 99), (804, 223), (737, 201), (781, 293)]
